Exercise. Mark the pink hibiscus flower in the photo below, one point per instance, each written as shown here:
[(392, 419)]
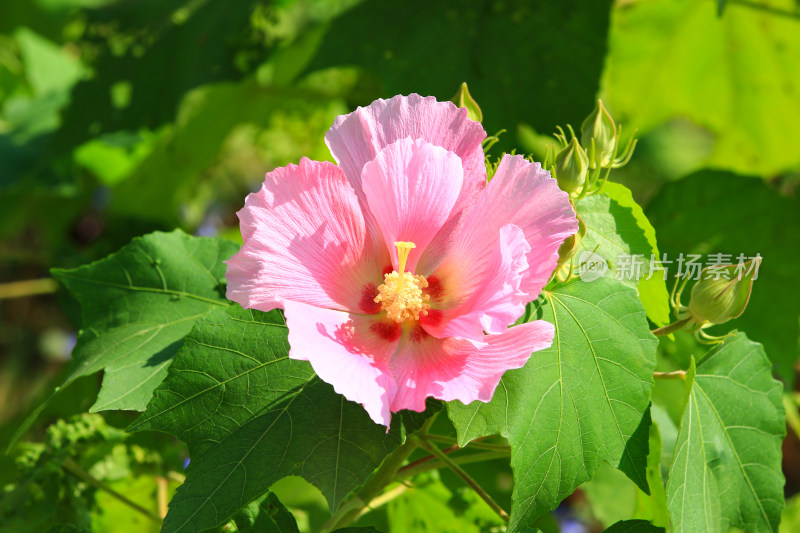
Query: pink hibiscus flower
[(400, 269)]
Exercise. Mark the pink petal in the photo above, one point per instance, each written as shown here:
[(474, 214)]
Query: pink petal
[(411, 187), (350, 352), (305, 240), (483, 283), (523, 194), (356, 138), (454, 369)]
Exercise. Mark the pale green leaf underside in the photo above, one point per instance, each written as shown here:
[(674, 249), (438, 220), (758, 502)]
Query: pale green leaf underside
[(252, 416), (727, 467), (265, 514), (137, 305), (578, 402), (617, 227)]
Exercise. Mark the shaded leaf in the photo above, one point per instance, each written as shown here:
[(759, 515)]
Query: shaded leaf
[(478, 36), (592, 389), (251, 416), (634, 526), (741, 216), (148, 48)]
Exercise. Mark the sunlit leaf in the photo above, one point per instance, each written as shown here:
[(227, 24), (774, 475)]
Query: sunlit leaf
[(616, 230), (590, 394), (265, 514), (727, 466), (429, 507), (734, 75)]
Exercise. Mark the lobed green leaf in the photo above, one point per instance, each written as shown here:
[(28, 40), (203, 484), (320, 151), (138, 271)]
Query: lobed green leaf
[(137, 305), (252, 416), (580, 401), (727, 467)]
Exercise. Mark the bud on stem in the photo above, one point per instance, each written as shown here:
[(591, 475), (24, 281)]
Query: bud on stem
[(464, 99), (722, 292), (571, 167)]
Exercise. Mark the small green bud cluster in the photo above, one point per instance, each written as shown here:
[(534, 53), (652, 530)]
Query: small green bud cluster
[(582, 167), (601, 135)]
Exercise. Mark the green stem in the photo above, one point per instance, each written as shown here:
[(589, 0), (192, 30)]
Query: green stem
[(429, 463), (671, 328), (476, 444), (353, 506), (464, 476), (383, 499), (792, 415), (74, 468), (29, 287)]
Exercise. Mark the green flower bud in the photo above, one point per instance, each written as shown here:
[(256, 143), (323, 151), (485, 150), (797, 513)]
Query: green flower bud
[(600, 128), (722, 292), (571, 167), (464, 99), (571, 245)]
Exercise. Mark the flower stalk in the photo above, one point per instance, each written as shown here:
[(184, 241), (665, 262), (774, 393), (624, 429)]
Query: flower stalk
[(355, 505), (75, 469), (464, 476)]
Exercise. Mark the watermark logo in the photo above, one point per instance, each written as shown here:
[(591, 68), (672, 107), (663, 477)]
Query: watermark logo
[(635, 267), (591, 266)]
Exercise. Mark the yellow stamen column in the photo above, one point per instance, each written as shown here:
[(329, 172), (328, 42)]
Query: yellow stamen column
[(403, 249)]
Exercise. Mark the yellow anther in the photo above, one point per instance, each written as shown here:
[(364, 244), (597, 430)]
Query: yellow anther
[(401, 293), (401, 296)]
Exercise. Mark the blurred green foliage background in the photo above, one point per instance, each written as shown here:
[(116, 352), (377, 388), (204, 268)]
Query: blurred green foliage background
[(120, 117)]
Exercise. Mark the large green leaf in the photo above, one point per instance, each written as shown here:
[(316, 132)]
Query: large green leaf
[(137, 306), (616, 228), (233, 365), (252, 416), (741, 216), (735, 75), (504, 50), (727, 467), (576, 403)]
